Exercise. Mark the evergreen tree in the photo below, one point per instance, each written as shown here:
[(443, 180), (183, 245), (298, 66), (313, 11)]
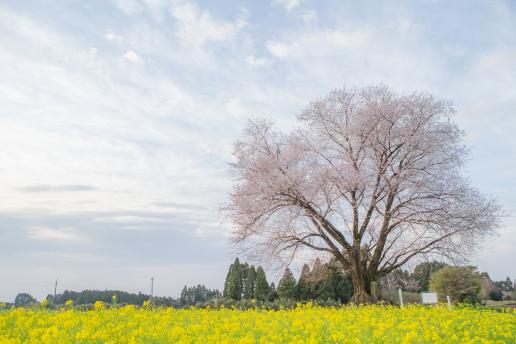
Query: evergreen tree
[(250, 284), (24, 300), (197, 294), (423, 273), (225, 292), (273, 295), (183, 299), (234, 288), (505, 286), (244, 274), (302, 289), (287, 285), (336, 285), (262, 288)]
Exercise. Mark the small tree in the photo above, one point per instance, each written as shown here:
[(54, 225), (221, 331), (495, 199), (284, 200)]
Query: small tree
[(462, 284), (24, 300), (287, 285), (423, 272), (505, 286), (495, 295), (400, 279)]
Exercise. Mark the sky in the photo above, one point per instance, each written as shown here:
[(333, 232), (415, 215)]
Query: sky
[(117, 120)]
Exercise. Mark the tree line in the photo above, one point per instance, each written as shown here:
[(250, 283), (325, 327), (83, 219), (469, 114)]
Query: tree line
[(330, 281), (323, 282), (197, 294)]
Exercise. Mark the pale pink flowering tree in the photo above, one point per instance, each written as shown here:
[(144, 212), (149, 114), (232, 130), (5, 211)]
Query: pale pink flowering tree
[(370, 177)]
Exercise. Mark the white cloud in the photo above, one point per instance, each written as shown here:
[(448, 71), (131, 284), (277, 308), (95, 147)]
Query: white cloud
[(318, 43), (157, 6), (278, 49), (257, 61), (495, 72), (133, 57), (195, 26), (129, 7), (308, 16), (289, 5), (111, 36), (57, 234)]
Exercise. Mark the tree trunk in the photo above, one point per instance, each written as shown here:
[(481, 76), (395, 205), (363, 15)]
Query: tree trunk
[(361, 289)]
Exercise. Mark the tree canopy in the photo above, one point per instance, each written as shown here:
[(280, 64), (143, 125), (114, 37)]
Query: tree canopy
[(461, 283), (423, 272), (369, 176), (24, 299)]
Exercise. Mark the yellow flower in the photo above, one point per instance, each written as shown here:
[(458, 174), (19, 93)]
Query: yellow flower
[(305, 324), (147, 304), (99, 305)]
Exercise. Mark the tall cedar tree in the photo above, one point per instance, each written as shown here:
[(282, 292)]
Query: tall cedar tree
[(250, 284), (273, 295), (244, 274), (262, 288), (336, 285), (225, 292), (234, 288), (287, 285)]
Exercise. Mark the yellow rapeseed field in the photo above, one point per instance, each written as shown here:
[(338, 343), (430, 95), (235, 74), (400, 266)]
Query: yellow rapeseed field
[(305, 324)]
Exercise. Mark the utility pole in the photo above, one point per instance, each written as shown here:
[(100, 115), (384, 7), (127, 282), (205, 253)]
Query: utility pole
[(55, 294), (152, 290)]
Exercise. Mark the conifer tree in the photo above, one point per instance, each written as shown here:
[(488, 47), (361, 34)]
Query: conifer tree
[(302, 289), (287, 285), (250, 284), (225, 292), (273, 295), (336, 285), (244, 272), (234, 288), (262, 289)]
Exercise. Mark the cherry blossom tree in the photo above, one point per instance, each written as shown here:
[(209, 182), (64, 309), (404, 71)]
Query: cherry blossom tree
[(369, 176)]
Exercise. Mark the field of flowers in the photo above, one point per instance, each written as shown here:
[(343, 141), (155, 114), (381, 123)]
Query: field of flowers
[(305, 324)]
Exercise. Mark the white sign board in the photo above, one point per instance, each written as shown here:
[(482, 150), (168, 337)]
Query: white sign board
[(429, 298)]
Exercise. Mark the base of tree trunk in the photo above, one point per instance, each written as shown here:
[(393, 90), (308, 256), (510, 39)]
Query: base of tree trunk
[(362, 298)]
